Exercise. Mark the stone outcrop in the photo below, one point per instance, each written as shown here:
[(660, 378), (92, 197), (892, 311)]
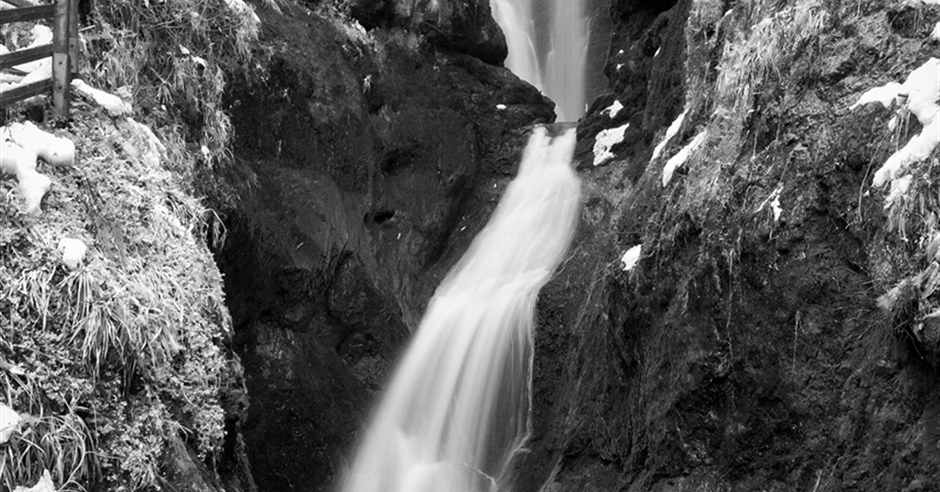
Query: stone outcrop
[(465, 27)]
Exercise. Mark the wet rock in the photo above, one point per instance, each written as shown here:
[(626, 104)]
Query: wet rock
[(363, 167)]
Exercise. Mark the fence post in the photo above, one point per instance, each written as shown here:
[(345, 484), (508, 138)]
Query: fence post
[(73, 37), (61, 73)]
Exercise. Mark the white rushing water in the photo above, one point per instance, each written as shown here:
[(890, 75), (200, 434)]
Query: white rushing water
[(548, 49), (456, 412)]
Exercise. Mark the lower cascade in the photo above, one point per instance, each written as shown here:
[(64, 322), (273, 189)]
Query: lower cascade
[(457, 410)]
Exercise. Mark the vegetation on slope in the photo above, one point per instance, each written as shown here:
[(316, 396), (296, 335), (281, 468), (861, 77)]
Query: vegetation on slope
[(114, 364)]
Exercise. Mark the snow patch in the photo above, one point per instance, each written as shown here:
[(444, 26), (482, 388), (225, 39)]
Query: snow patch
[(917, 149), (50, 148), (935, 34), (614, 109), (45, 484), (9, 420), (114, 105), (240, 7), (21, 144), (899, 189), (670, 132), (681, 157), (500, 106), (884, 95), (73, 252), (631, 257), (774, 202), (922, 88), (922, 93), (605, 140)]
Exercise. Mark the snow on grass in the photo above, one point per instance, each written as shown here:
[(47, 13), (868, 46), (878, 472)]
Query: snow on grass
[(631, 257), (922, 88), (21, 144), (45, 484), (614, 109), (73, 252), (114, 105), (678, 160), (670, 132), (917, 149), (899, 188), (242, 8), (9, 420), (922, 93), (605, 140)]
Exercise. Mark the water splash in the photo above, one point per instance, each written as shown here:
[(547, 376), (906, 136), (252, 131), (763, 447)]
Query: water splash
[(457, 410), (548, 51)]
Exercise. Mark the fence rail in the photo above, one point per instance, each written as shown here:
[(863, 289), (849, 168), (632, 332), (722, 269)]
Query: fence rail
[(63, 50)]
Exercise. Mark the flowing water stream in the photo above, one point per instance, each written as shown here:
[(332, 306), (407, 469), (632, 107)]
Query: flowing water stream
[(457, 409), (548, 47)]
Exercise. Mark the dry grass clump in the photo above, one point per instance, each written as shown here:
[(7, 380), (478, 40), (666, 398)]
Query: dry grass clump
[(125, 352), (762, 51), (742, 63), (169, 59), (61, 444)]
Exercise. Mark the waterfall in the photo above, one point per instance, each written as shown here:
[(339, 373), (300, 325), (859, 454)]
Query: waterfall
[(548, 49), (456, 412)]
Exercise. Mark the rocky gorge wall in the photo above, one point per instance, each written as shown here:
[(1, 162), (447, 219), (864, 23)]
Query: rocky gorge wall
[(746, 351), (365, 161)]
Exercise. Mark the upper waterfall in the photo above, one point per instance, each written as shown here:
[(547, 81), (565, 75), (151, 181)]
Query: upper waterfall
[(549, 48)]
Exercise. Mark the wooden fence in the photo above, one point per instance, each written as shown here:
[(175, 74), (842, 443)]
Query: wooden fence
[(63, 50)]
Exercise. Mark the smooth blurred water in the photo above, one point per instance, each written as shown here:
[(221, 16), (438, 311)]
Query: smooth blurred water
[(456, 412), (548, 47)]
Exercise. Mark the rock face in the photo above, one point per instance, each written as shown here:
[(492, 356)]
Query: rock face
[(465, 27), (365, 162), (746, 351)]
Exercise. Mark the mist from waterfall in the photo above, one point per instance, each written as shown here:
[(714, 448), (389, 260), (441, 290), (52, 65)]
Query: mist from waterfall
[(457, 410), (548, 47)]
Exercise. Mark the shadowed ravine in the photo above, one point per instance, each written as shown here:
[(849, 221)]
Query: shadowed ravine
[(456, 412)]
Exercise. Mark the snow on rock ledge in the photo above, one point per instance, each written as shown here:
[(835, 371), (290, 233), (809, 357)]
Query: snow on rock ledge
[(678, 160), (631, 257), (605, 140), (670, 132), (922, 93)]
